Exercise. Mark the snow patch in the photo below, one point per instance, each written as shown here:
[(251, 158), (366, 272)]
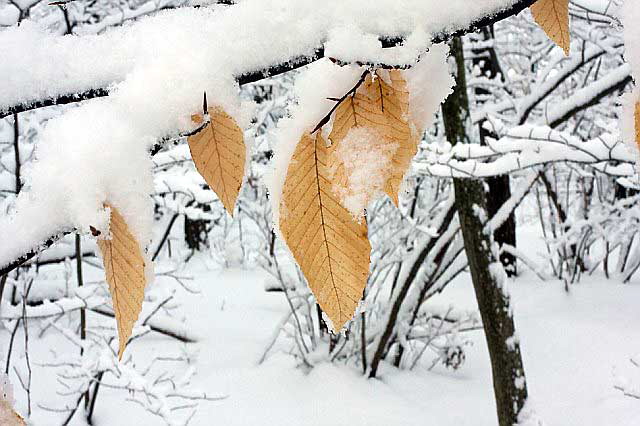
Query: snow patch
[(364, 159), (528, 416)]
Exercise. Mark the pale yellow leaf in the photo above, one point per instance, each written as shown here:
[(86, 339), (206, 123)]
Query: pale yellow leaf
[(382, 107), (124, 268), (331, 248), (8, 416), (219, 154), (553, 18)]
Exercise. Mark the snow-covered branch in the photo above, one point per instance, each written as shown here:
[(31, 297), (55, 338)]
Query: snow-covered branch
[(524, 147), (79, 68)]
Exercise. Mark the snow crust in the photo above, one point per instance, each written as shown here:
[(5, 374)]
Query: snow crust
[(429, 83)]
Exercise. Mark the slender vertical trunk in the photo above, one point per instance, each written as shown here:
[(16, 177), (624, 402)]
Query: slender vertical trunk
[(18, 177), (16, 150), (83, 313), (487, 273), (195, 231), (83, 320), (499, 186)]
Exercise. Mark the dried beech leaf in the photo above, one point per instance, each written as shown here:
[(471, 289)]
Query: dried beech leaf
[(395, 106), (124, 269), (363, 109), (219, 154), (331, 248), (553, 18), (8, 416), (382, 107)]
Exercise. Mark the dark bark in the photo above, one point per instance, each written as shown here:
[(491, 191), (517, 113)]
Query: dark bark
[(499, 193), (493, 302), (195, 232), (83, 313), (499, 186)]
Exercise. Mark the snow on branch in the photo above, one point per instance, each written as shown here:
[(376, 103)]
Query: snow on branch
[(99, 151), (551, 78), (64, 69), (525, 147), (590, 95)]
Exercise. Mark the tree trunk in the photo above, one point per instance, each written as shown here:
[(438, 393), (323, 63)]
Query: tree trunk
[(499, 186), (487, 273), (195, 231)]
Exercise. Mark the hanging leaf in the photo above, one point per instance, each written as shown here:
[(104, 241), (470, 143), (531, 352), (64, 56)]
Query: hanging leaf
[(8, 416), (219, 154), (553, 18), (331, 248), (382, 108), (362, 109), (395, 107), (124, 268)]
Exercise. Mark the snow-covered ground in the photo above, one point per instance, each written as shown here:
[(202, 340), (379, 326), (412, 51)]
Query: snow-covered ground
[(573, 345)]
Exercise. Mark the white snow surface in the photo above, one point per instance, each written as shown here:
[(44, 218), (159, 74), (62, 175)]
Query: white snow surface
[(630, 15), (6, 389), (570, 379)]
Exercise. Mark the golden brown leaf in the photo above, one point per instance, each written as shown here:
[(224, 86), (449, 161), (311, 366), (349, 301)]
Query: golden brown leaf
[(219, 154), (124, 268), (363, 109), (637, 121), (395, 107), (382, 107), (8, 416), (331, 248), (553, 18)]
